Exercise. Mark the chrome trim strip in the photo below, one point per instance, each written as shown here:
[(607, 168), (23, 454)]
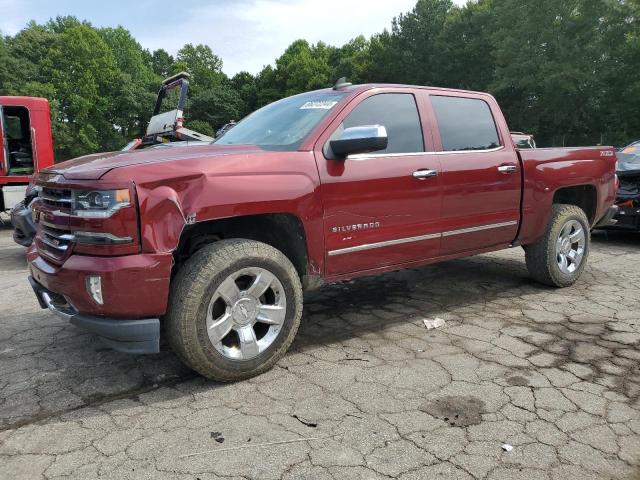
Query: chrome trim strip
[(366, 156), (463, 152), (51, 306), (100, 238), (371, 246), (400, 241), (479, 229), (61, 248), (49, 198)]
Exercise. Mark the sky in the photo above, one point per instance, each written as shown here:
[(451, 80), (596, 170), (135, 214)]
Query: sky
[(246, 34)]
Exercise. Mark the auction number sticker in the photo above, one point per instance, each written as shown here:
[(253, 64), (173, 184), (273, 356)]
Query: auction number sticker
[(318, 105)]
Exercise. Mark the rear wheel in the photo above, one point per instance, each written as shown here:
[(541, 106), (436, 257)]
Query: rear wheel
[(559, 258), (234, 310)]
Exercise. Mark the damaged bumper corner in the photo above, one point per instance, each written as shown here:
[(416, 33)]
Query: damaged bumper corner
[(24, 228), (128, 336), (609, 218)]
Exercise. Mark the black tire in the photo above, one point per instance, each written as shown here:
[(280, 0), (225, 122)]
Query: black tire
[(542, 256), (192, 290)]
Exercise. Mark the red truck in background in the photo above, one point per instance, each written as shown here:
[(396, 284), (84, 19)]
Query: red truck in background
[(213, 246), (25, 145)]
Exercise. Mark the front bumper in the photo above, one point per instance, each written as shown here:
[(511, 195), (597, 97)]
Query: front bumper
[(133, 286), (24, 228), (129, 336)]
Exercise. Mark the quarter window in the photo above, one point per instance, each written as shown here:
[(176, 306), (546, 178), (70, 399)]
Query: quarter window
[(397, 112), (465, 124)]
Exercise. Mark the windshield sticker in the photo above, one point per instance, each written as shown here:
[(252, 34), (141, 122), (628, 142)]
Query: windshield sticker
[(318, 105)]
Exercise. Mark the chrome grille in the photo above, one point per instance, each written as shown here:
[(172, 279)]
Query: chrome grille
[(54, 242), (56, 198)]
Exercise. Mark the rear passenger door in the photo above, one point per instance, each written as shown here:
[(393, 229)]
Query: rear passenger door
[(380, 208), (481, 177)]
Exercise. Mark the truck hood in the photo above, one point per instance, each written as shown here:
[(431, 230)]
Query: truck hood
[(93, 167)]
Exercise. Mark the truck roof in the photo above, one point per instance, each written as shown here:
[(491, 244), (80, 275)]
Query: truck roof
[(369, 86), (33, 103)]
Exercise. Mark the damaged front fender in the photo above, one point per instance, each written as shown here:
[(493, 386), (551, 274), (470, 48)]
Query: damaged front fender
[(163, 219)]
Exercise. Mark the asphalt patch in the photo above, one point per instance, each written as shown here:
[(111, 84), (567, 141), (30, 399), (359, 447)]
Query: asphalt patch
[(460, 411), (518, 381)]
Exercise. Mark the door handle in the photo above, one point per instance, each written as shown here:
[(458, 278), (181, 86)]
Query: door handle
[(507, 169), (424, 174)]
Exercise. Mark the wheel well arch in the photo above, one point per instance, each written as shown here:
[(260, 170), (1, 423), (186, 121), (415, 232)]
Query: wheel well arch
[(582, 196), (283, 231)]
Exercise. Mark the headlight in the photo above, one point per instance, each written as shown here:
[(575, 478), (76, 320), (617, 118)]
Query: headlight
[(99, 203)]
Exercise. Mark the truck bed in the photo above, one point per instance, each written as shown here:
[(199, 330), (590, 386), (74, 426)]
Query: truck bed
[(548, 170)]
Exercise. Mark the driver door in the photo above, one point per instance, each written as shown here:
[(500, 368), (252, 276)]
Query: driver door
[(382, 208)]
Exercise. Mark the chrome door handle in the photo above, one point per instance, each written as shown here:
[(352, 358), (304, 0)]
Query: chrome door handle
[(507, 168), (424, 174)]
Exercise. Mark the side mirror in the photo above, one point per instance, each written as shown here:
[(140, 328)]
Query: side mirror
[(368, 138)]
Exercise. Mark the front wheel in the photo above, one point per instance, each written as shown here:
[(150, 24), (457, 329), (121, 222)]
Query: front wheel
[(234, 310), (559, 258)]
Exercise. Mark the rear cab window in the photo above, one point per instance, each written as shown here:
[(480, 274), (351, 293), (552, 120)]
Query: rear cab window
[(465, 124), (397, 112)]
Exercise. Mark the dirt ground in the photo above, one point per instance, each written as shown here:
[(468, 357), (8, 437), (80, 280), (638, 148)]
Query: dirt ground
[(366, 392)]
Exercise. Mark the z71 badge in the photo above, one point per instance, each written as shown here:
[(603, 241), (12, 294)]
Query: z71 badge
[(355, 227)]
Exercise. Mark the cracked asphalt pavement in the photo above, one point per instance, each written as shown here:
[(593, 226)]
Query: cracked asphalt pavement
[(366, 391)]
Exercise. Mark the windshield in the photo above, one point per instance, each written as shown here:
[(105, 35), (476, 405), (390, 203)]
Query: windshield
[(282, 125)]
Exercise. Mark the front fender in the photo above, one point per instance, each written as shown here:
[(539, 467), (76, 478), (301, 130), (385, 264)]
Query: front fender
[(166, 208)]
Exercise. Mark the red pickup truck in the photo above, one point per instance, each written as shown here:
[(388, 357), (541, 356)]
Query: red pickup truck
[(214, 245)]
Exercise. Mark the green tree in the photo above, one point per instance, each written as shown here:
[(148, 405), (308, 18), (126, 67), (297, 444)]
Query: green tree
[(26, 52), (619, 108), (549, 65), (383, 63), (304, 67), (245, 85), (161, 63), (268, 89), (4, 72), (416, 43), (83, 72), (133, 91), (565, 70), (204, 66), (352, 60), (466, 47), (215, 107)]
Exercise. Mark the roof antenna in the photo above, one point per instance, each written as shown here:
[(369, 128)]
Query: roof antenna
[(341, 83)]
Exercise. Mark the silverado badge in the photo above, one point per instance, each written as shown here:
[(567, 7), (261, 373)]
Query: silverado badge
[(355, 227)]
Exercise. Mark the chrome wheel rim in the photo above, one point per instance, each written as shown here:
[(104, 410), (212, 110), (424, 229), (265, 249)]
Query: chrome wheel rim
[(570, 246), (246, 313)]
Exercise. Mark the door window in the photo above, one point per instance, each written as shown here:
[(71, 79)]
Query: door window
[(397, 112), (17, 139), (465, 124)]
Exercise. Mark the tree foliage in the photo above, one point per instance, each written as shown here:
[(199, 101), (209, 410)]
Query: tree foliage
[(564, 70)]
